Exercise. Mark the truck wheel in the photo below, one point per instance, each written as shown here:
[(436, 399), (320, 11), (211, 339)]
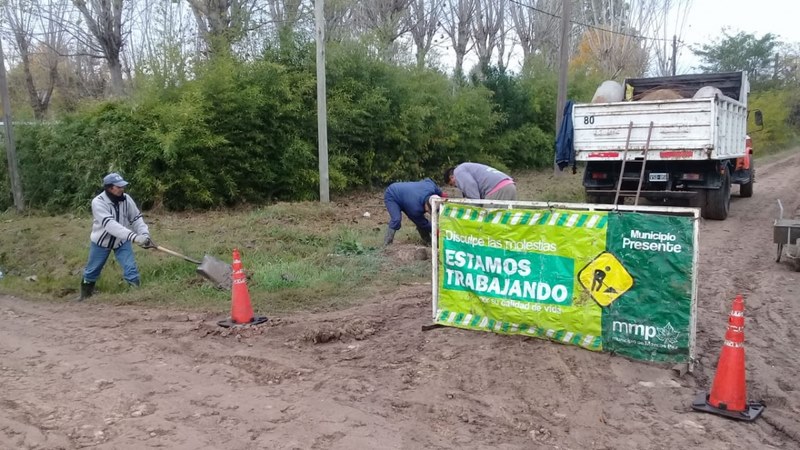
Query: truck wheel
[(718, 201), (699, 200), (746, 189)]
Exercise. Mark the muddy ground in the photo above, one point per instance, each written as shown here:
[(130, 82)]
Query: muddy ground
[(90, 375)]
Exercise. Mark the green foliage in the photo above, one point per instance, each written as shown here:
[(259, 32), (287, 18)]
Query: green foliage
[(298, 255), (779, 131), (246, 132), (347, 244), (742, 51)]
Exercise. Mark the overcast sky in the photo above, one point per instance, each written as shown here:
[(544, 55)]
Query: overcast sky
[(707, 18)]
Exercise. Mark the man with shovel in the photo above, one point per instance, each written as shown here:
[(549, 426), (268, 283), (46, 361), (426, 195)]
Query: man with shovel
[(116, 223)]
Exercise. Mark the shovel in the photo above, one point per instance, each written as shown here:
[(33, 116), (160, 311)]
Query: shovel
[(210, 268)]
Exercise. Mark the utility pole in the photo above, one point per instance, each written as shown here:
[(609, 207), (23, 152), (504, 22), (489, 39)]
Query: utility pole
[(11, 151), (674, 54), (563, 61), (776, 68), (322, 106)]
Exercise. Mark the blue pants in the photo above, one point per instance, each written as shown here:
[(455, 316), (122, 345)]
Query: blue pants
[(97, 259), (395, 217)]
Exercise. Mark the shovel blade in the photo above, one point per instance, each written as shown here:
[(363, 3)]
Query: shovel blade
[(218, 272)]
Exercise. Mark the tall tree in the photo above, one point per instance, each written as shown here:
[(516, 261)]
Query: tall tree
[(423, 20), (24, 19), (386, 21), (505, 47), (787, 64), (669, 23), (221, 23), (339, 17), (611, 55), (162, 41), (536, 25), (104, 19), (486, 27), (457, 17), (286, 15), (616, 34), (740, 51)]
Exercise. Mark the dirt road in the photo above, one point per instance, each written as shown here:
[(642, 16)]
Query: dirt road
[(89, 375)]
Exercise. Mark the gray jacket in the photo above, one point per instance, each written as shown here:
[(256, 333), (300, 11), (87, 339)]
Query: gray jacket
[(476, 180), (112, 222)]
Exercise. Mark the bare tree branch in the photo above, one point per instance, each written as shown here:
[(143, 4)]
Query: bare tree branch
[(423, 23), (536, 25), (456, 22), (104, 21), (222, 23), (386, 20), (486, 26)]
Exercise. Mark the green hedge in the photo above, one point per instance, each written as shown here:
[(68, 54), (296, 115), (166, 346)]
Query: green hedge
[(247, 132)]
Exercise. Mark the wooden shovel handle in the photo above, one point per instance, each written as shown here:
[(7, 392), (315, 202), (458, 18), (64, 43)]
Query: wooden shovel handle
[(174, 253)]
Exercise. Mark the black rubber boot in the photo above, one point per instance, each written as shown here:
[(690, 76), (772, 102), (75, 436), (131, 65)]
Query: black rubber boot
[(425, 235), (87, 289), (389, 238)]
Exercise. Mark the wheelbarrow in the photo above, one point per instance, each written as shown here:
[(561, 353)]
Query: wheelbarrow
[(787, 232)]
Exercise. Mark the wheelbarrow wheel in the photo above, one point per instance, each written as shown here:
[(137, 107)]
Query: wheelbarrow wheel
[(780, 250)]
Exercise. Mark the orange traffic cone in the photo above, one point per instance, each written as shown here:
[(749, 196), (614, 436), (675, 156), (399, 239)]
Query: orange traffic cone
[(728, 396), (241, 310)]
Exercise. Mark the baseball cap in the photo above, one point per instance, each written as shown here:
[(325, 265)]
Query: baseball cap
[(115, 179)]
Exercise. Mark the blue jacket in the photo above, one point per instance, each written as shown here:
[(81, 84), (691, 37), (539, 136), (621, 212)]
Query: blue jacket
[(409, 197), (565, 151)]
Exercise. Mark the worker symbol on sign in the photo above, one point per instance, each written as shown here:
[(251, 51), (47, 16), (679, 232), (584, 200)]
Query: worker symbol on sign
[(599, 276), (605, 278)]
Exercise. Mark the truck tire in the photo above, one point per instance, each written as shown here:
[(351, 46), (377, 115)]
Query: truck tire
[(746, 189), (718, 201)]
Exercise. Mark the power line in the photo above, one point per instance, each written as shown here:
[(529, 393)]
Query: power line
[(556, 16)]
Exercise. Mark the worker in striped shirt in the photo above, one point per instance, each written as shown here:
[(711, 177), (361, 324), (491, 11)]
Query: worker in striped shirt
[(116, 223)]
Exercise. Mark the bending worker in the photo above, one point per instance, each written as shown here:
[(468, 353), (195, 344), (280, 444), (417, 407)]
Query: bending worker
[(479, 181), (116, 223), (411, 198)]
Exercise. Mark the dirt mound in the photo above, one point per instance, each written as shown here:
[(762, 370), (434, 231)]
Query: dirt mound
[(357, 329), (662, 94), (408, 252)]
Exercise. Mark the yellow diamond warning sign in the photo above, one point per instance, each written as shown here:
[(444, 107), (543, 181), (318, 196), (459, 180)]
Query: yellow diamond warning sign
[(605, 278)]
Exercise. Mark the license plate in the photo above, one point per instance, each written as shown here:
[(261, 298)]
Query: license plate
[(658, 177)]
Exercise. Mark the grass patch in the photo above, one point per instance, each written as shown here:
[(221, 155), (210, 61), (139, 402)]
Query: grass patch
[(299, 256)]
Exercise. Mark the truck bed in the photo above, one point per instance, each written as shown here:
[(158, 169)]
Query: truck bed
[(684, 129)]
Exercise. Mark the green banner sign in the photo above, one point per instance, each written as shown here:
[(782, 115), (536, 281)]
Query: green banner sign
[(606, 281)]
